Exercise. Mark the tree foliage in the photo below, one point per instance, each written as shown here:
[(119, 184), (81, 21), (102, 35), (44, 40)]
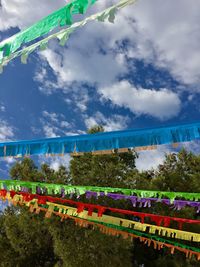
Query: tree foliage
[(26, 170)]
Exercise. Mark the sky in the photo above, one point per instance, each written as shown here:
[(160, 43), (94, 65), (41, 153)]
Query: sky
[(142, 71)]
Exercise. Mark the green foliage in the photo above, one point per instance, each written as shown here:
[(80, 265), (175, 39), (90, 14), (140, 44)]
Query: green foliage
[(102, 170), (26, 170), (112, 170), (25, 240), (148, 256), (76, 246), (179, 172), (7, 253), (96, 129), (61, 176)]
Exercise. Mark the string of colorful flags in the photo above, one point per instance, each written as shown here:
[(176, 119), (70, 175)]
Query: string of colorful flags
[(95, 191), (158, 219), (103, 142), (59, 18), (84, 215), (58, 199)]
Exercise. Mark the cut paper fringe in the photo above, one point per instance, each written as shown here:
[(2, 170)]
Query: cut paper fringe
[(54, 189), (81, 213), (114, 230), (102, 141), (158, 219), (128, 233), (63, 35), (61, 17), (146, 202)]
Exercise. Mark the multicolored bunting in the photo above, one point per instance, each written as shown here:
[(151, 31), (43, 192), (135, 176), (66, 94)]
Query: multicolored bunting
[(60, 17), (63, 35), (158, 219), (152, 229), (53, 189), (147, 201), (102, 141), (115, 230)]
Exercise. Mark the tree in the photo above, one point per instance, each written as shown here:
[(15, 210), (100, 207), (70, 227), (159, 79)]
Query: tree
[(77, 246), (95, 129), (7, 253), (179, 172), (29, 238), (26, 170), (103, 170)]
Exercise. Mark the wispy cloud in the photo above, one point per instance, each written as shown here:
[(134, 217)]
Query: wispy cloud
[(6, 131), (54, 124), (114, 122), (56, 161)]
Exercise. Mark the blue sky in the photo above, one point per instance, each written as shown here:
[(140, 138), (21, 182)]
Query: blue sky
[(142, 71)]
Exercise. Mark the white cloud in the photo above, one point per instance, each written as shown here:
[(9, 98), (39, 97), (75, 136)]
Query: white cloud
[(149, 159), (76, 132), (114, 122), (2, 107), (54, 124), (64, 124), (193, 146), (6, 131), (50, 115), (7, 162), (50, 131), (23, 13), (81, 99), (56, 161), (77, 65), (168, 35), (162, 104)]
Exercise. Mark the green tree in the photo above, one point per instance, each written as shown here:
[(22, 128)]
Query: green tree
[(29, 238), (26, 170), (77, 246), (103, 170), (179, 172)]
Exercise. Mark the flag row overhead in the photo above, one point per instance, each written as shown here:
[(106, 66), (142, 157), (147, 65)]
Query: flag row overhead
[(103, 142)]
